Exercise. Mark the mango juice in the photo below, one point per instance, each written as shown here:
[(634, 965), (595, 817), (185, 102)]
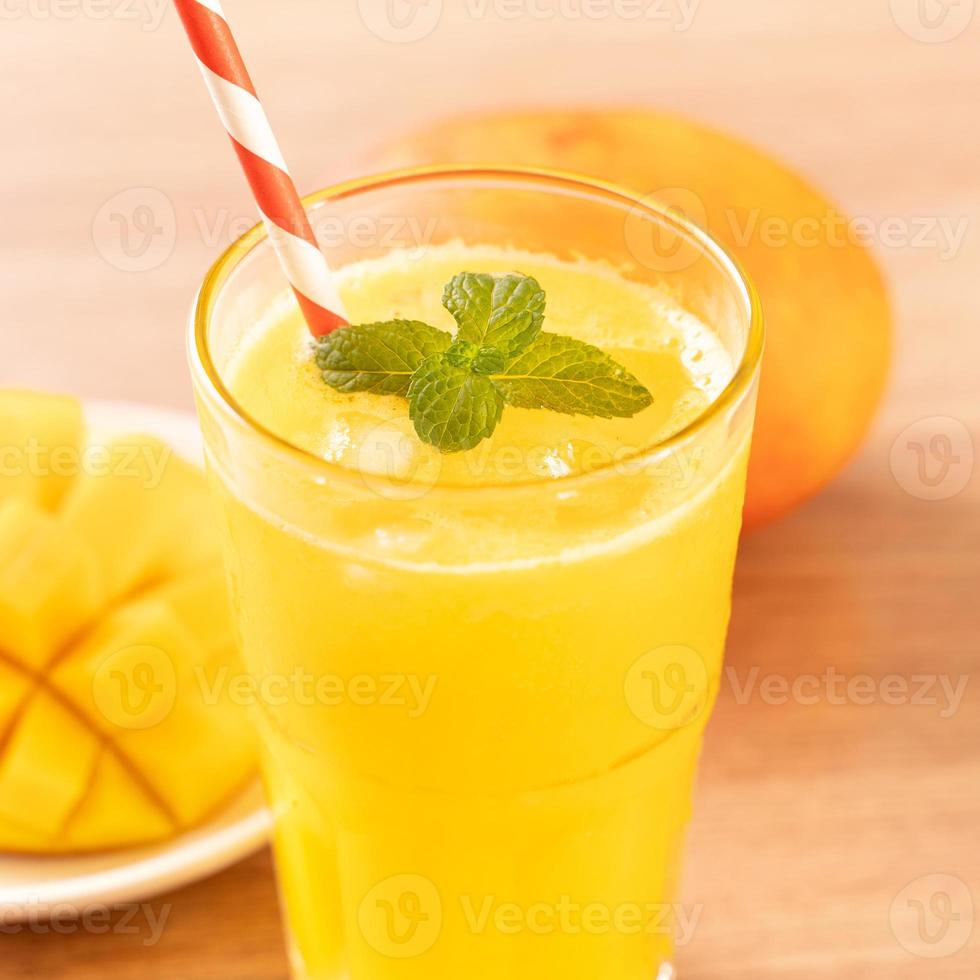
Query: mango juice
[(484, 676)]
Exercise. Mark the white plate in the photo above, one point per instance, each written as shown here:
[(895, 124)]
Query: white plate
[(31, 888)]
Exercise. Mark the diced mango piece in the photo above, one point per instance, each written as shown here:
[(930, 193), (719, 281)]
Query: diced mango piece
[(50, 583), (145, 512), (199, 756), (117, 811), (19, 839), (46, 766), (14, 688), (40, 436), (148, 681), (200, 602), (117, 506), (125, 674)]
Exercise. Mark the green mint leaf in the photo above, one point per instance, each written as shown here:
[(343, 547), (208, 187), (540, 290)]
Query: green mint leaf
[(483, 360), (462, 353), (489, 360), (452, 407), (378, 357), (566, 375), (505, 312)]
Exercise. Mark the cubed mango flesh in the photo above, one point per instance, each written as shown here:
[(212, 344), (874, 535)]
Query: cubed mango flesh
[(146, 678), (117, 808), (199, 600), (124, 675), (50, 583), (114, 625), (40, 438), (15, 685), (46, 766), (119, 507)]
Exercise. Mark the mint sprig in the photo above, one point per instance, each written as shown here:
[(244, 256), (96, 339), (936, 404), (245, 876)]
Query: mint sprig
[(457, 387)]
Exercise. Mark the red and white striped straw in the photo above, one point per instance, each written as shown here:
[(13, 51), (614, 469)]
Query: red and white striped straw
[(258, 152)]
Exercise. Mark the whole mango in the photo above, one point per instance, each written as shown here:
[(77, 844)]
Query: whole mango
[(827, 311)]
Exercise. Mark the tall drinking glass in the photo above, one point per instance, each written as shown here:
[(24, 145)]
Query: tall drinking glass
[(482, 702)]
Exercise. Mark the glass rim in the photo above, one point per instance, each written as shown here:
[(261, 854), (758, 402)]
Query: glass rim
[(205, 370)]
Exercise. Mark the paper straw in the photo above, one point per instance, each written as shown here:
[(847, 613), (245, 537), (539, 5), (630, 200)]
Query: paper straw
[(227, 79)]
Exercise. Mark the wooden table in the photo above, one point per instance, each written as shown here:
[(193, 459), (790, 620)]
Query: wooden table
[(817, 824)]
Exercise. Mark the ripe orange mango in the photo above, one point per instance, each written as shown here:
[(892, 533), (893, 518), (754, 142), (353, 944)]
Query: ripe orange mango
[(827, 310), (113, 615)]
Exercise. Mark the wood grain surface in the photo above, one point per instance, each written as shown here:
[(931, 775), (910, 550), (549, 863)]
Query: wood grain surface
[(819, 824)]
